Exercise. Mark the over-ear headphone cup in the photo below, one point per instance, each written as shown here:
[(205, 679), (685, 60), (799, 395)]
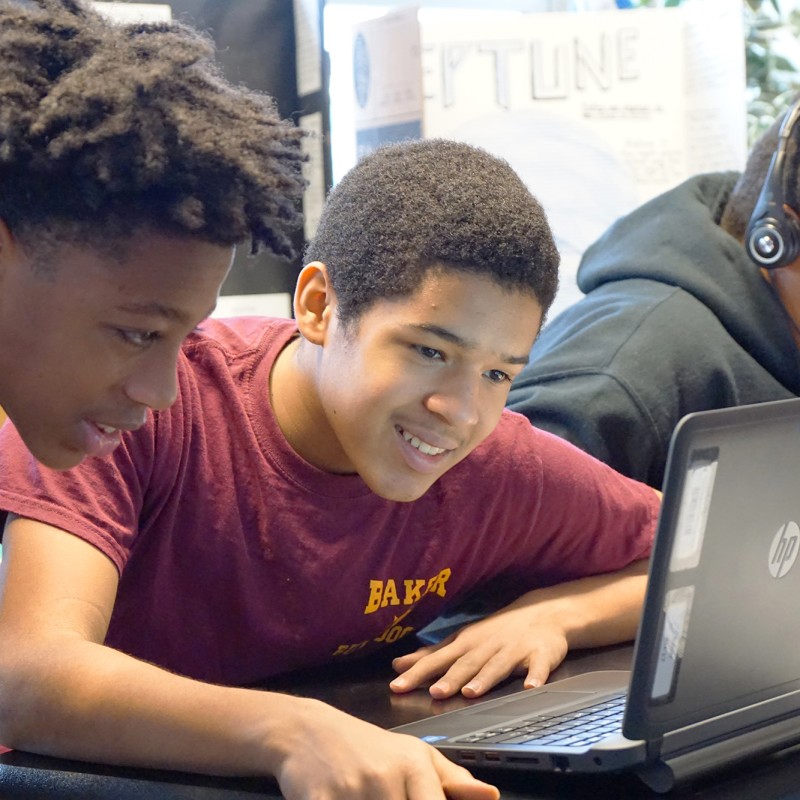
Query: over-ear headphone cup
[(771, 244)]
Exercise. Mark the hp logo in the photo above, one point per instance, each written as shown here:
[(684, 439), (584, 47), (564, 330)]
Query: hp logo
[(784, 549)]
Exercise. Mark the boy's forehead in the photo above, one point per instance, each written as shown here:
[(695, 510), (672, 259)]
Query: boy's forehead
[(462, 308), (454, 290), (469, 281)]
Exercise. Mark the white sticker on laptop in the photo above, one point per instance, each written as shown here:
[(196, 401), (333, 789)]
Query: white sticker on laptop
[(677, 611), (698, 487)]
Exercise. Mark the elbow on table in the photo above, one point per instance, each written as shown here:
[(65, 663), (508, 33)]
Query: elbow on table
[(25, 719)]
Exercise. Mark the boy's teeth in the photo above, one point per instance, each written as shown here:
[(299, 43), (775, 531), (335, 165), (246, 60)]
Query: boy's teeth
[(106, 428), (423, 447)]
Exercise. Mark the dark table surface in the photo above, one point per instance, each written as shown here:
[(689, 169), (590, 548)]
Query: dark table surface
[(362, 690)]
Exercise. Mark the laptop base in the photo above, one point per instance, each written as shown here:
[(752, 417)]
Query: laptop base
[(665, 774)]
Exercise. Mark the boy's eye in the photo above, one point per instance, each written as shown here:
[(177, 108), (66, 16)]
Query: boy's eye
[(139, 339), (498, 376), (429, 352)]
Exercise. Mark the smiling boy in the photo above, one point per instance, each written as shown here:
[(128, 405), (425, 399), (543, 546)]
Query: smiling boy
[(324, 486), (408, 390)]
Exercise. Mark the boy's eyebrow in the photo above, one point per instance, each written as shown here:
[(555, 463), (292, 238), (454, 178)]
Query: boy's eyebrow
[(156, 309), (454, 338)]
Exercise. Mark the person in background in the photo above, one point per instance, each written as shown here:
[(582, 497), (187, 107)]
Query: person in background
[(681, 313), (129, 170), (322, 487)]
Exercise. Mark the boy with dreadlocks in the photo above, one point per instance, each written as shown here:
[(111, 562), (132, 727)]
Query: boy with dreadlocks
[(323, 486), (129, 169)]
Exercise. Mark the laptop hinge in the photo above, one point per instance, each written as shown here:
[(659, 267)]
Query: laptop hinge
[(666, 773)]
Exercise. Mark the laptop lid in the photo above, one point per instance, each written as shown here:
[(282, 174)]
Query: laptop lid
[(719, 639)]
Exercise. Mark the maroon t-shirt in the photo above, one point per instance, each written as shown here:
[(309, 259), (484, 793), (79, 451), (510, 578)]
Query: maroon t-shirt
[(238, 560)]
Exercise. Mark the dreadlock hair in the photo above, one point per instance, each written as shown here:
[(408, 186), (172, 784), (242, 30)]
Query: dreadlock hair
[(407, 208), (108, 128), (745, 193)]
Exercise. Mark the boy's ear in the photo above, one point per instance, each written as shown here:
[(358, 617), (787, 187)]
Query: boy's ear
[(314, 302)]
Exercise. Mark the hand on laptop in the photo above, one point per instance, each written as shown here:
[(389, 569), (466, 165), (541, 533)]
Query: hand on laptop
[(339, 756), (531, 636)]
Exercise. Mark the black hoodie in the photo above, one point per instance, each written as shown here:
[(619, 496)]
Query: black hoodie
[(676, 318)]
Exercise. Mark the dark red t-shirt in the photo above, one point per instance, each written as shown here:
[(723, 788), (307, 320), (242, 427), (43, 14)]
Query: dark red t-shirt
[(238, 560)]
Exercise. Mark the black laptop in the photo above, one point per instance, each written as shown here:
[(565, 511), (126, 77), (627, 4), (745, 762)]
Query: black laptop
[(716, 667)]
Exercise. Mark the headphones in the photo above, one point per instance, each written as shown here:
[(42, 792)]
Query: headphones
[(773, 233)]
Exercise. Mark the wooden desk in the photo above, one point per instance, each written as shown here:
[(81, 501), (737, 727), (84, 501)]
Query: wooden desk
[(362, 690)]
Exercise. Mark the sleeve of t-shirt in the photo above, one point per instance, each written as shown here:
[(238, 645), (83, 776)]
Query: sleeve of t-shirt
[(99, 501), (575, 514)]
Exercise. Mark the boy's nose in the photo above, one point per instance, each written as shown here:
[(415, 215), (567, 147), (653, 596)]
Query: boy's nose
[(154, 383), (457, 402)]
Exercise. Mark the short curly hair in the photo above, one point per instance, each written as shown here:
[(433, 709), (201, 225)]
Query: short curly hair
[(742, 202), (108, 128), (409, 207)]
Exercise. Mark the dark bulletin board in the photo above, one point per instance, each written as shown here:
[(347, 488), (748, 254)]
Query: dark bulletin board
[(255, 42)]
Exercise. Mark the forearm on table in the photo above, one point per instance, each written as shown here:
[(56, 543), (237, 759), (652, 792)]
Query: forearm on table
[(86, 701), (593, 611)]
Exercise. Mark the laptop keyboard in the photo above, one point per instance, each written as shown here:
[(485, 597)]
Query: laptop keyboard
[(578, 728)]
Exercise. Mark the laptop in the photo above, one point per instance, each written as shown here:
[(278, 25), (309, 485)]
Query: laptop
[(716, 666)]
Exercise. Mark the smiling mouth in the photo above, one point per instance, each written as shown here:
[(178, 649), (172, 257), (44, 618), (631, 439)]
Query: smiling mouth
[(423, 447), (121, 427)]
